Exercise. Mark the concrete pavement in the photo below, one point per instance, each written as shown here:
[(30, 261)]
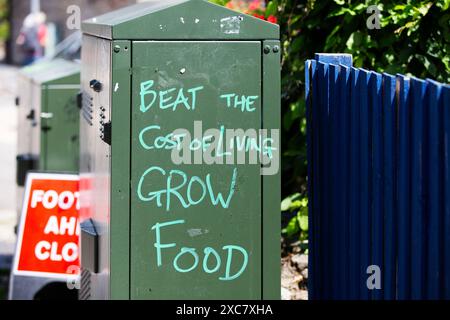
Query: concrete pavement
[(8, 146)]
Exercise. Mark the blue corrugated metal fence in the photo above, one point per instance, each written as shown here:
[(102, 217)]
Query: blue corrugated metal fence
[(379, 183)]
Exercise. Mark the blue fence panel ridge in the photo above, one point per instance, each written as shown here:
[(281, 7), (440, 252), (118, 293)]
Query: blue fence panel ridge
[(378, 183)]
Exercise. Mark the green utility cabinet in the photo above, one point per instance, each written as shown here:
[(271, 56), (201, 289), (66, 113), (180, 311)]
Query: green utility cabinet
[(48, 135), (155, 226)]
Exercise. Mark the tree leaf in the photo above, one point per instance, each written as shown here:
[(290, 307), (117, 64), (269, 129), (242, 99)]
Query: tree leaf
[(292, 228), (272, 8), (287, 203), (303, 222)]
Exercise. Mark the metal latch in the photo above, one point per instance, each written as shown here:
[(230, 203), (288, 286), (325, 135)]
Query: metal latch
[(46, 116), (31, 115), (105, 132), (96, 85)]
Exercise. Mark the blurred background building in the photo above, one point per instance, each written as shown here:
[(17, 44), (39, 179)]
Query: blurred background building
[(57, 14)]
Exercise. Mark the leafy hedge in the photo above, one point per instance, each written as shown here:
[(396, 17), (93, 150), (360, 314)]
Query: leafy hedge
[(413, 39)]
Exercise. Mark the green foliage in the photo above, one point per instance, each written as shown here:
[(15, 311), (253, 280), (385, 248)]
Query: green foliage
[(272, 8), (220, 2), (298, 224), (414, 39), (4, 25)]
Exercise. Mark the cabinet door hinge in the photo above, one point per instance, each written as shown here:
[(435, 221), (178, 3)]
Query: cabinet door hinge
[(105, 133)]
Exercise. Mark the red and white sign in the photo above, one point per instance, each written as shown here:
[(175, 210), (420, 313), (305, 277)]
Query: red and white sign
[(49, 227)]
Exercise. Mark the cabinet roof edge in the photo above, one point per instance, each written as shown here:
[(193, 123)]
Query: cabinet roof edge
[(179, 20), (47, 71)]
